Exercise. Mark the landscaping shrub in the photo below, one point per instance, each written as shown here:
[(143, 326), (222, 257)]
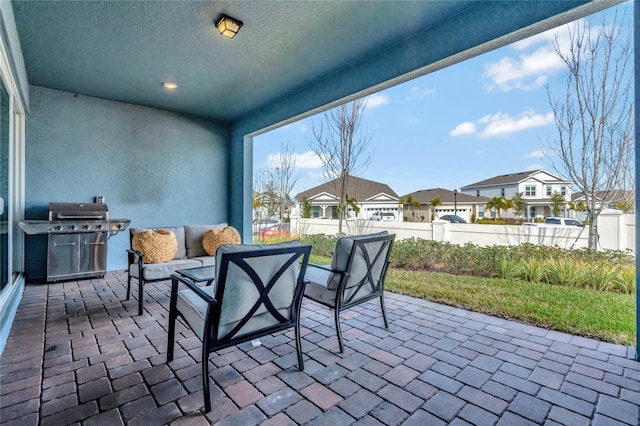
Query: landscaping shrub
[(533, 270), (601, 270), (509, 269)]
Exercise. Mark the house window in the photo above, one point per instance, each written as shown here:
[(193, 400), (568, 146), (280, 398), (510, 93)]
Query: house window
[(530, 191), (480, 212), (502, 192), (477, 192), (563, 190), (548, 191)]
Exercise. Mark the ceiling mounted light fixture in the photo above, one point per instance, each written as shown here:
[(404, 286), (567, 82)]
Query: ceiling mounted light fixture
[(169, 85), (228, 26)]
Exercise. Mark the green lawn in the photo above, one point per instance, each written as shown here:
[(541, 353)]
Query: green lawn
[(598, 314)]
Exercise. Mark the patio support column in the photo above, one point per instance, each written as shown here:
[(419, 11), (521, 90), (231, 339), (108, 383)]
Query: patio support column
[(240, 184), (636, 20)]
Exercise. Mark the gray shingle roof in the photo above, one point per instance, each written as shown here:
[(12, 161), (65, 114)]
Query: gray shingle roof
[(358, 188), (425, 196), (510, 179)]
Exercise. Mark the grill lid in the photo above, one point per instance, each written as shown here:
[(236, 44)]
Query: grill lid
[(78, 211)]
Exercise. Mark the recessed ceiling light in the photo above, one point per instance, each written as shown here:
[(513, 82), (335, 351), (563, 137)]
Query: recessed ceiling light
[(169, 85)]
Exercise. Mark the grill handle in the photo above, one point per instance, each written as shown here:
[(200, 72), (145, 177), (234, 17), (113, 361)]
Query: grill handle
[(55, 243), (100, 243), (77, 216)]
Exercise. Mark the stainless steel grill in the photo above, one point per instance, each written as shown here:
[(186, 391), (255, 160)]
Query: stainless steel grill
[(77, 239)]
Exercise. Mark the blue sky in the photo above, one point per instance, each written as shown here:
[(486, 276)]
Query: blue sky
[(486, 116)]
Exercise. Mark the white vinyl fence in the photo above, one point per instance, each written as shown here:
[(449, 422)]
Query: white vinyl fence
[(616, 231)]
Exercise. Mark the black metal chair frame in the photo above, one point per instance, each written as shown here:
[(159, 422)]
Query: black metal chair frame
[(211, 342), (377, 289), (138, 258)]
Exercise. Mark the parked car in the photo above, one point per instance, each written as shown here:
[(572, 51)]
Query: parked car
[(384, 216), (452, 218), (260, 224), (557, 221), (279, 230)]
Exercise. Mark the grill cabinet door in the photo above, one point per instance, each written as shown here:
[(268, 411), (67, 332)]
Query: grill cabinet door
[(63, 257), (93, 253)]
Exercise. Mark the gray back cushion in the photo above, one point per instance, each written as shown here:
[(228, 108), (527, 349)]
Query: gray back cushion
[(193, 238), (340, 259), (240, 293)]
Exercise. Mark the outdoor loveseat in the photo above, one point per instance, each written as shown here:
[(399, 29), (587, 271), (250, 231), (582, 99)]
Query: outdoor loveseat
[(190, 254)]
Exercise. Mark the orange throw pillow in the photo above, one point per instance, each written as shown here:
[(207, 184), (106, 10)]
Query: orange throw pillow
[(214, 238), (157, 246)]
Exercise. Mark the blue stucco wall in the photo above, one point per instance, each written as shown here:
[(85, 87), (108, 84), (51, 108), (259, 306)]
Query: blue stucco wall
[(154, 167)]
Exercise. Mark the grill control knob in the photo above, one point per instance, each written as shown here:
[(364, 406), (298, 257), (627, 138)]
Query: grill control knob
[(86, 227), (58, 228), (73, 227), (99, 226)]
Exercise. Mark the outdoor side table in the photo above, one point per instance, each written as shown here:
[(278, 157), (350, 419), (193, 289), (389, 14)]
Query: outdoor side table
[(198, 275)]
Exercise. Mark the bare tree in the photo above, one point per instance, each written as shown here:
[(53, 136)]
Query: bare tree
[(264, 198), (272, 187), (343, 148), (594, 119), (284, 176)]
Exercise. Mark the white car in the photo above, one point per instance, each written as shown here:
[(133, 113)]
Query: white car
[(557, 221), (384, 216)]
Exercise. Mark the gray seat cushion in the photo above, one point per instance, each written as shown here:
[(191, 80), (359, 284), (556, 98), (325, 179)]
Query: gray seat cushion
[(320, 293), (194, 308), (206, 260), (157, 271)]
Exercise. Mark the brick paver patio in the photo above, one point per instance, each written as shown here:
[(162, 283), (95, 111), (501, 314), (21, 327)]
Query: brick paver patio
[(79, 354)]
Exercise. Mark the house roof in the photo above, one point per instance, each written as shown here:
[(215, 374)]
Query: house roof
[(513, 178), (614, 196), (424, 196), (358, 188)]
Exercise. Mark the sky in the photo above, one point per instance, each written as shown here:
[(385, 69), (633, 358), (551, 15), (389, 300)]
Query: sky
[(483, 117)]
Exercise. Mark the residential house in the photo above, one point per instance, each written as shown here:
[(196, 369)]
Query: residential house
[(537, 188), (266, 206), (368, 196), (618, 199), (464, 205)]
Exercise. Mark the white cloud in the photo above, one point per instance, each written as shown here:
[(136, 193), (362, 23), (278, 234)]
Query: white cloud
[(501, 124), (526, 72), (307, 160), (376, 100), (304, 128), (466, 128), (540, 153), (531, 68)]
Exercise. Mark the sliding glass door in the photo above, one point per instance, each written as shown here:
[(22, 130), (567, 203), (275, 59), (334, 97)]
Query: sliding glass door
[(4, 187)]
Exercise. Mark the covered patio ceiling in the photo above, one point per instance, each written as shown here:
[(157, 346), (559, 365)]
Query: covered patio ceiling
[(318, 52)]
